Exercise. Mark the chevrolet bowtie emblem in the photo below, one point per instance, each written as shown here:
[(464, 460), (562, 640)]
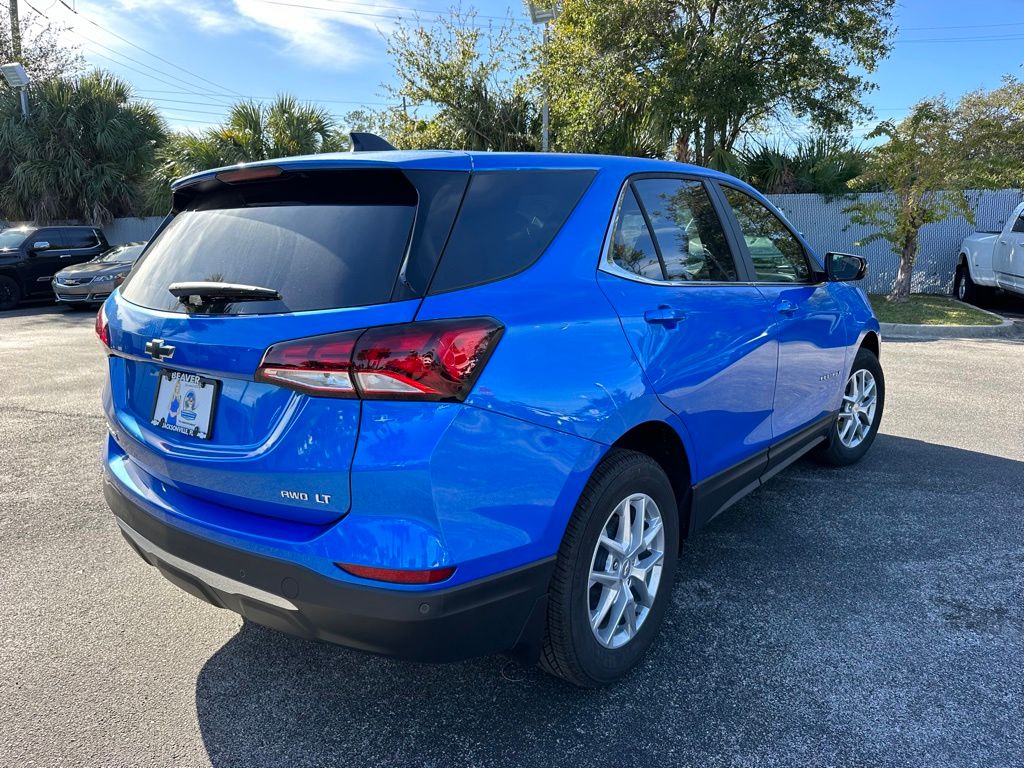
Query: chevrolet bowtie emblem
[(158, 350)]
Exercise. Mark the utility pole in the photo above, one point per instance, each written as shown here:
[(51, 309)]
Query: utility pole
[(543, 12), (15, 29)]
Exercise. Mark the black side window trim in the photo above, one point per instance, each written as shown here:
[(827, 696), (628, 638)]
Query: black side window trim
[(817, 274), (744, 270)]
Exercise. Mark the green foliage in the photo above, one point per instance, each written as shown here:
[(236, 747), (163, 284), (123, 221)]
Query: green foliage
[(988, 129), (462, 87), (252, 131), (705, 72), (86, 153), (823, 164), (919, 163)]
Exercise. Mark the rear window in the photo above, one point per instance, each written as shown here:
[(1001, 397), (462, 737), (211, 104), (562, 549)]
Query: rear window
[(321, 241), (506, 222)]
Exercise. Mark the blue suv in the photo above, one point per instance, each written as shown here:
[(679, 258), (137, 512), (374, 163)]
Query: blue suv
[(443, 404)]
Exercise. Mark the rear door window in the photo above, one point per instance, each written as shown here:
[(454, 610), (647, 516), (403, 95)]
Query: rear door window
[(81, 238), (507, 220), (322, 241)]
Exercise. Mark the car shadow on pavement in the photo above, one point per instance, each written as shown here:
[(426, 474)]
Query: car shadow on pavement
[(52, 311), (867, 615)]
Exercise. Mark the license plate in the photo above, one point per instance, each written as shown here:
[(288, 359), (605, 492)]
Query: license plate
[(184, 404)]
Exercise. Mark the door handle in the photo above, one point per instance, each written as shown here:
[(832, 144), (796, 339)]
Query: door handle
[(665, 315), (786, 307)]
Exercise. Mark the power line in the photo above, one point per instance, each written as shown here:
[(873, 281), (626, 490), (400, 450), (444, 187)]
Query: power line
[(406, 8), (138, 47), (144, 74), (961, 39), (967, 26), (436, 20), (201, 92), (314, 100)]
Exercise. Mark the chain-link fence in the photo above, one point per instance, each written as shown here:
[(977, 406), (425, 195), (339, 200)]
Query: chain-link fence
[(827, 227)]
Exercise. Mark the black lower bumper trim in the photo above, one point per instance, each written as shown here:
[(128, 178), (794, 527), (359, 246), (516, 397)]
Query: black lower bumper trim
[(487, 616)]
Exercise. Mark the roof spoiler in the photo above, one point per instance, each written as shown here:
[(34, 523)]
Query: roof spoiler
[(369, 142)]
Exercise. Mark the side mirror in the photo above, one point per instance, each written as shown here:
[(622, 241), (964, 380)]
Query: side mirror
[(844, 267), (40, 245)]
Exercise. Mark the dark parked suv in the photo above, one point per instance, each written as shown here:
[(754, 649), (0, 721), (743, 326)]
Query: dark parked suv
[(31, 256)]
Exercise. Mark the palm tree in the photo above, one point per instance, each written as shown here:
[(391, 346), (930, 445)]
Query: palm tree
[(252, 131), (85, 154)]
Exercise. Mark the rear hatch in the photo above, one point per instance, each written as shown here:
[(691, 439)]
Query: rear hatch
[(342, 249)]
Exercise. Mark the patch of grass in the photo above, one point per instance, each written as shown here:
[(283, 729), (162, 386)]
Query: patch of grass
[(929, 310)]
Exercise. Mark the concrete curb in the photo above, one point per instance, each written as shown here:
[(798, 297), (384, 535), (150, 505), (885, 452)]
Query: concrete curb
[(1008, 329)]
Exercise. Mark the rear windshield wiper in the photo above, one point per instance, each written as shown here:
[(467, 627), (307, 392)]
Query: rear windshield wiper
[(199, 293)]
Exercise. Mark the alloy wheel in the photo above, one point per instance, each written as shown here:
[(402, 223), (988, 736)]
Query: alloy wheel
[(857, 413), (625, 571)]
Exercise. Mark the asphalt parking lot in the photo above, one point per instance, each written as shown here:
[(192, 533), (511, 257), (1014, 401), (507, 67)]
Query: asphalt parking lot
[(866, 616)]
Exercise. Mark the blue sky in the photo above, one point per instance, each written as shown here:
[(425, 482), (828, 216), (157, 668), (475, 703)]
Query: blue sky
[(197, 56)]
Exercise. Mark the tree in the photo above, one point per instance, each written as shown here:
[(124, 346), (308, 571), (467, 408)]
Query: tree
[(988, 128), (708, 71), (43, 51), (918, 163), (86, 153), (472, 82), (822, 164), (252, 131)]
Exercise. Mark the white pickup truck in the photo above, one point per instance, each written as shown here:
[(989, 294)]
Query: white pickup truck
[(992, 260)]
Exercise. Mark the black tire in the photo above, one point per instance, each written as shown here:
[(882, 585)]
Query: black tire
[(571, 650), (835, 452), (964, 288), (10, 293)]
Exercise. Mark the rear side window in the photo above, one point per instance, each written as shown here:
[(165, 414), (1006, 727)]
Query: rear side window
[(1018, 225), (81, 238), (322, 241), (507, 220), (632, 246)]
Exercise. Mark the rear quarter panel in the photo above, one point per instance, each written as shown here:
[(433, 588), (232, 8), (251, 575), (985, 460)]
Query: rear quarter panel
[(978, 249), (563, 360)]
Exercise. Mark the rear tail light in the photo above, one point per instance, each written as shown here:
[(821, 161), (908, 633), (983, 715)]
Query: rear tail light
[(102, 328), (398, 575), (431, 360)]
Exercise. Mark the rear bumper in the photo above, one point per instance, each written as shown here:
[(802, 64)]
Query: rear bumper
[(490, 615)]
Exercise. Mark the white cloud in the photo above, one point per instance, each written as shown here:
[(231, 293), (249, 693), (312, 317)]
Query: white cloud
[(335, 36)]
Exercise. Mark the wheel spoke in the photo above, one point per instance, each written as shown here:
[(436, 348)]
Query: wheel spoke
[(636, 532), (630, 616), (625, 535), (612, 545), (643, 567), (643, 594), (604, 603), (651, 533), (605, 579), (622, 600)]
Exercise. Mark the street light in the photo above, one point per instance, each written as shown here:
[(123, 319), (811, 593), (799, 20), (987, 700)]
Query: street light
[(543, 14), (17, 77)]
